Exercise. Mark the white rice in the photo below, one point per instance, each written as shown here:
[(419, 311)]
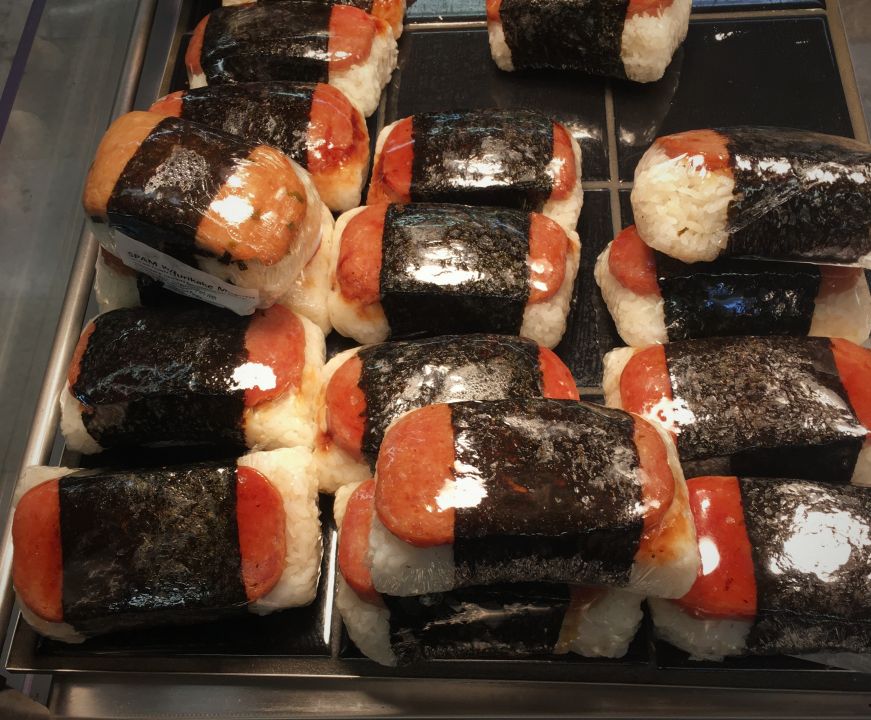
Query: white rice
[(703, 639), (605, 627), (567, 211), (114, 289), (289, 420), (335, 468), (545, 322), (647, 44), (363, 83), (365, 324), (289, 472), (368, 624), (197, 80), (862, 471), (640, 319), (401, 569), (308, 294), (649, 41), (342, 188), (846, 314), (680, 207)]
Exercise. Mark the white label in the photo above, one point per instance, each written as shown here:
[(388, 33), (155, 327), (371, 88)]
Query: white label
[(182, 278)]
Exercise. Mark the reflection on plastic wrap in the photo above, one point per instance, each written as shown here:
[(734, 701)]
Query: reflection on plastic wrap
[(778, 406), (784, 570)]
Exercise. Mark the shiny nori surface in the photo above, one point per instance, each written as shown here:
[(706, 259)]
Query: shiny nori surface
[(153, 375), (550, 492), (362, 4), (736, 297), (401, 376), (583, 35), (169, 183), (482, 157), (481, 622), (267, 41), (149, 547), (799, 195), (275, 113), (454, 269), (812, 559), (764, 406)]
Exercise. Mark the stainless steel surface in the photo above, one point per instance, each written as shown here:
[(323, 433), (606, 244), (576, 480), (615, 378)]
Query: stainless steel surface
[(856, 15), (133, 694)]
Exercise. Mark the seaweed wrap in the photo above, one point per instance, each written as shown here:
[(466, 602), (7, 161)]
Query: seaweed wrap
[(309, 41), (530, 490), (209, 214), (785, 568), (410, 271), (365, 389), (656, 299), (97, 551), (390, 11), (632, 39), (508, 620), (773, 193), (193, 375), (756, 406), (312, 123), (508, 158)]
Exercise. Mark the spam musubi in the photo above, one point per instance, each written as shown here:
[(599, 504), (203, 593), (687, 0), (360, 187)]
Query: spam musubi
[(243, 213), (312, 123), (758, 406), (405, 271), (507, 158), (391, 11), (773, 193), (507, 620), (785, 568), (103, 550), (193, 375), (532, 490), (656, 299), (366, 389), (309, 41), (633, 39)]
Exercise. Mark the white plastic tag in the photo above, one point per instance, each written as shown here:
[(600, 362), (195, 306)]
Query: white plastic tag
[(183, 278)]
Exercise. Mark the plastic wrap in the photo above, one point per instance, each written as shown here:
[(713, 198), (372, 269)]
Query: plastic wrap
[(803, 580), (191, 375), (773, 406), (524, 490), (765, 192), (220, 219)]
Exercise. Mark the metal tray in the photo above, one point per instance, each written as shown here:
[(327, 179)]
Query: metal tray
[(737, 67)]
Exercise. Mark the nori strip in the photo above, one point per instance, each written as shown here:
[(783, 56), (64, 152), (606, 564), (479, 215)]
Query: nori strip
[(169, 183), (559, 494), (152, 375), (150, 547), (771, 405), (275, 113), (736, 297), (583, 35), (497, 621), (483, 157), (454, 269), (401, 376), (798, 195), (272, 41), (361, 4), (812, 559)]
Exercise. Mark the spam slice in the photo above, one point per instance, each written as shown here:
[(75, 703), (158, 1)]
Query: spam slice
[(405, 271), (244, 213), (100, 551), (760, 406), (308, 41), (529, 490), (193, 375), (365, 389), (506, 158)]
